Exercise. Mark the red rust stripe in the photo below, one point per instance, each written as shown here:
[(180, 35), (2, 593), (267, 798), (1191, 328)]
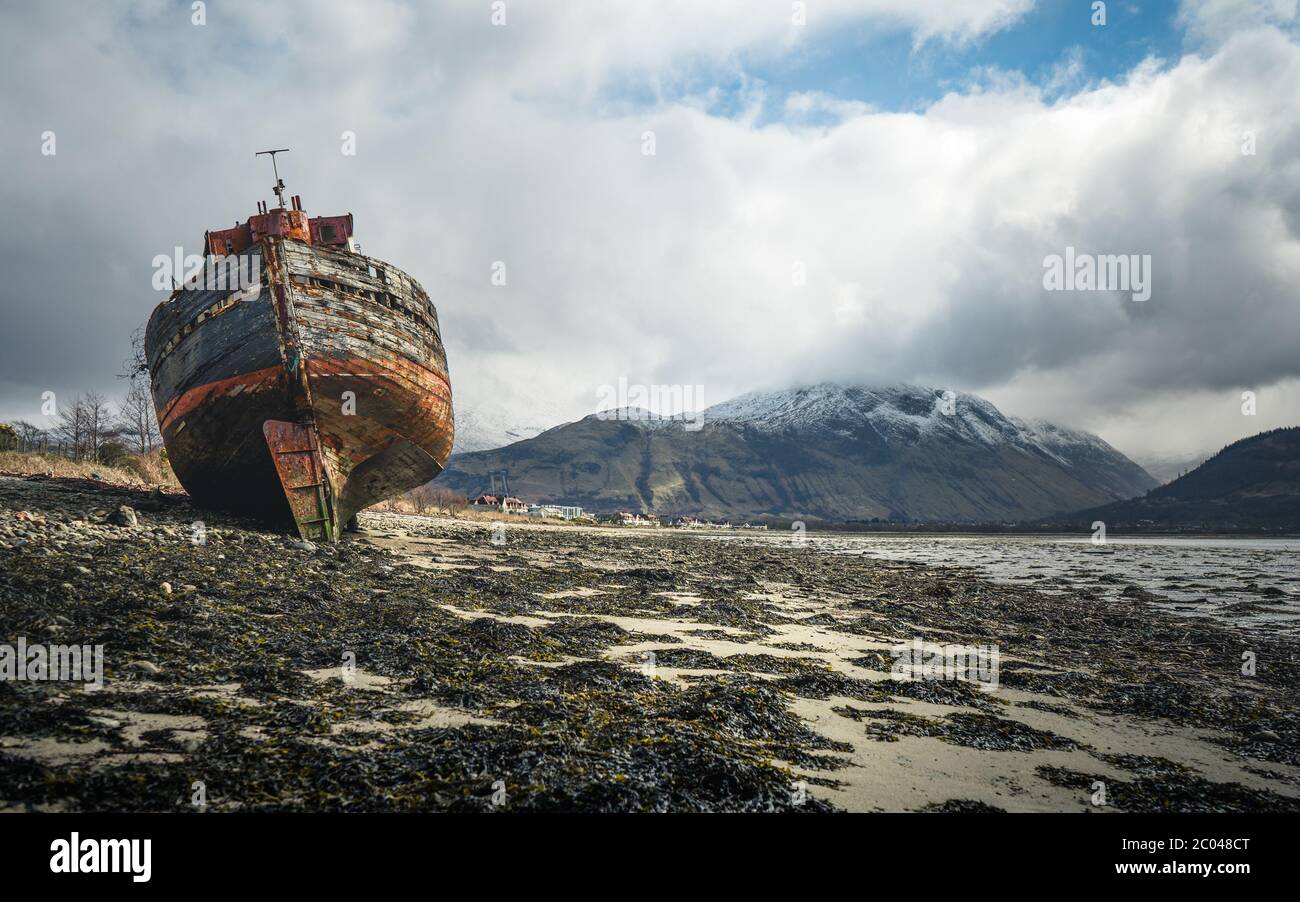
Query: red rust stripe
[(322, 366), (200, 395)]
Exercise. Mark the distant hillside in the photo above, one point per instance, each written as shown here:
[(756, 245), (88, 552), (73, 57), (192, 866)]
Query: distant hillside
[(1169, 467), (482, 426), (828, 452), (1251, 484)]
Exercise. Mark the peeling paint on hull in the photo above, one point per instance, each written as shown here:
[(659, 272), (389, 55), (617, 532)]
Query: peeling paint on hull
[(343, 345)]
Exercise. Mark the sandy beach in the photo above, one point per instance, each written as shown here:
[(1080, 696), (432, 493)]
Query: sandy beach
[(436, 664)]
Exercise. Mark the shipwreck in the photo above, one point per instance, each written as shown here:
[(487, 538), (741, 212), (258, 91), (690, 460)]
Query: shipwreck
[(309, 395)]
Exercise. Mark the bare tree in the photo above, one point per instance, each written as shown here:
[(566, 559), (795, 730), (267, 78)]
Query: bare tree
[(71, 428), (419, 498), (30, 436), (136, 365), (136, 419), (99, 423), (440, 497), (84, 425)]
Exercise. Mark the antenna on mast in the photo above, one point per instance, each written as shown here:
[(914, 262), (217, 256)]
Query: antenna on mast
[(279, 183)]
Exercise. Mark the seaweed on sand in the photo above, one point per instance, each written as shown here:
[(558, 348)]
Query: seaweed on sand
[(506, 670), (977, 731), (1169, 791)]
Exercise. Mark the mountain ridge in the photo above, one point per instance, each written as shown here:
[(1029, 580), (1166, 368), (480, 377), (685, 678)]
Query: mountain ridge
[(825, 452), (1252, 483)]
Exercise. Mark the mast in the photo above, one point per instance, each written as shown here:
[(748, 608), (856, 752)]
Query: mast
[(279, 183)]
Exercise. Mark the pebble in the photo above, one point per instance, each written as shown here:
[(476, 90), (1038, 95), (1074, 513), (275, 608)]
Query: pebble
[(124, 516)]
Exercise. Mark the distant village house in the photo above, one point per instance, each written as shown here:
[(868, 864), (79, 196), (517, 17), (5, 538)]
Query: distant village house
[(626, 518), (505, 503)]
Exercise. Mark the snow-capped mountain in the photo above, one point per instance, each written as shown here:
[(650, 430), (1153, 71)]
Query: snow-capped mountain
[(901, 415), (647, 419), (482, 428), (826, 452)]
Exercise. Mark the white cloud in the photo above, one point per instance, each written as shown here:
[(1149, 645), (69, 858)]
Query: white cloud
[(922, 234), (1213, 21)]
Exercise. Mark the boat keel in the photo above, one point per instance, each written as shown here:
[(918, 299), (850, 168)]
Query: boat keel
[(303, 477)]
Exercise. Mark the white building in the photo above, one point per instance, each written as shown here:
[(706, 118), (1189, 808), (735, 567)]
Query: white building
[(563, 511)]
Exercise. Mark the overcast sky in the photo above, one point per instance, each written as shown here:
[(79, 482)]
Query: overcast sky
[(915, 160)]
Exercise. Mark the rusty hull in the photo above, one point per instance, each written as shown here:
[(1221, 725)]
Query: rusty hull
[(319, 394)]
